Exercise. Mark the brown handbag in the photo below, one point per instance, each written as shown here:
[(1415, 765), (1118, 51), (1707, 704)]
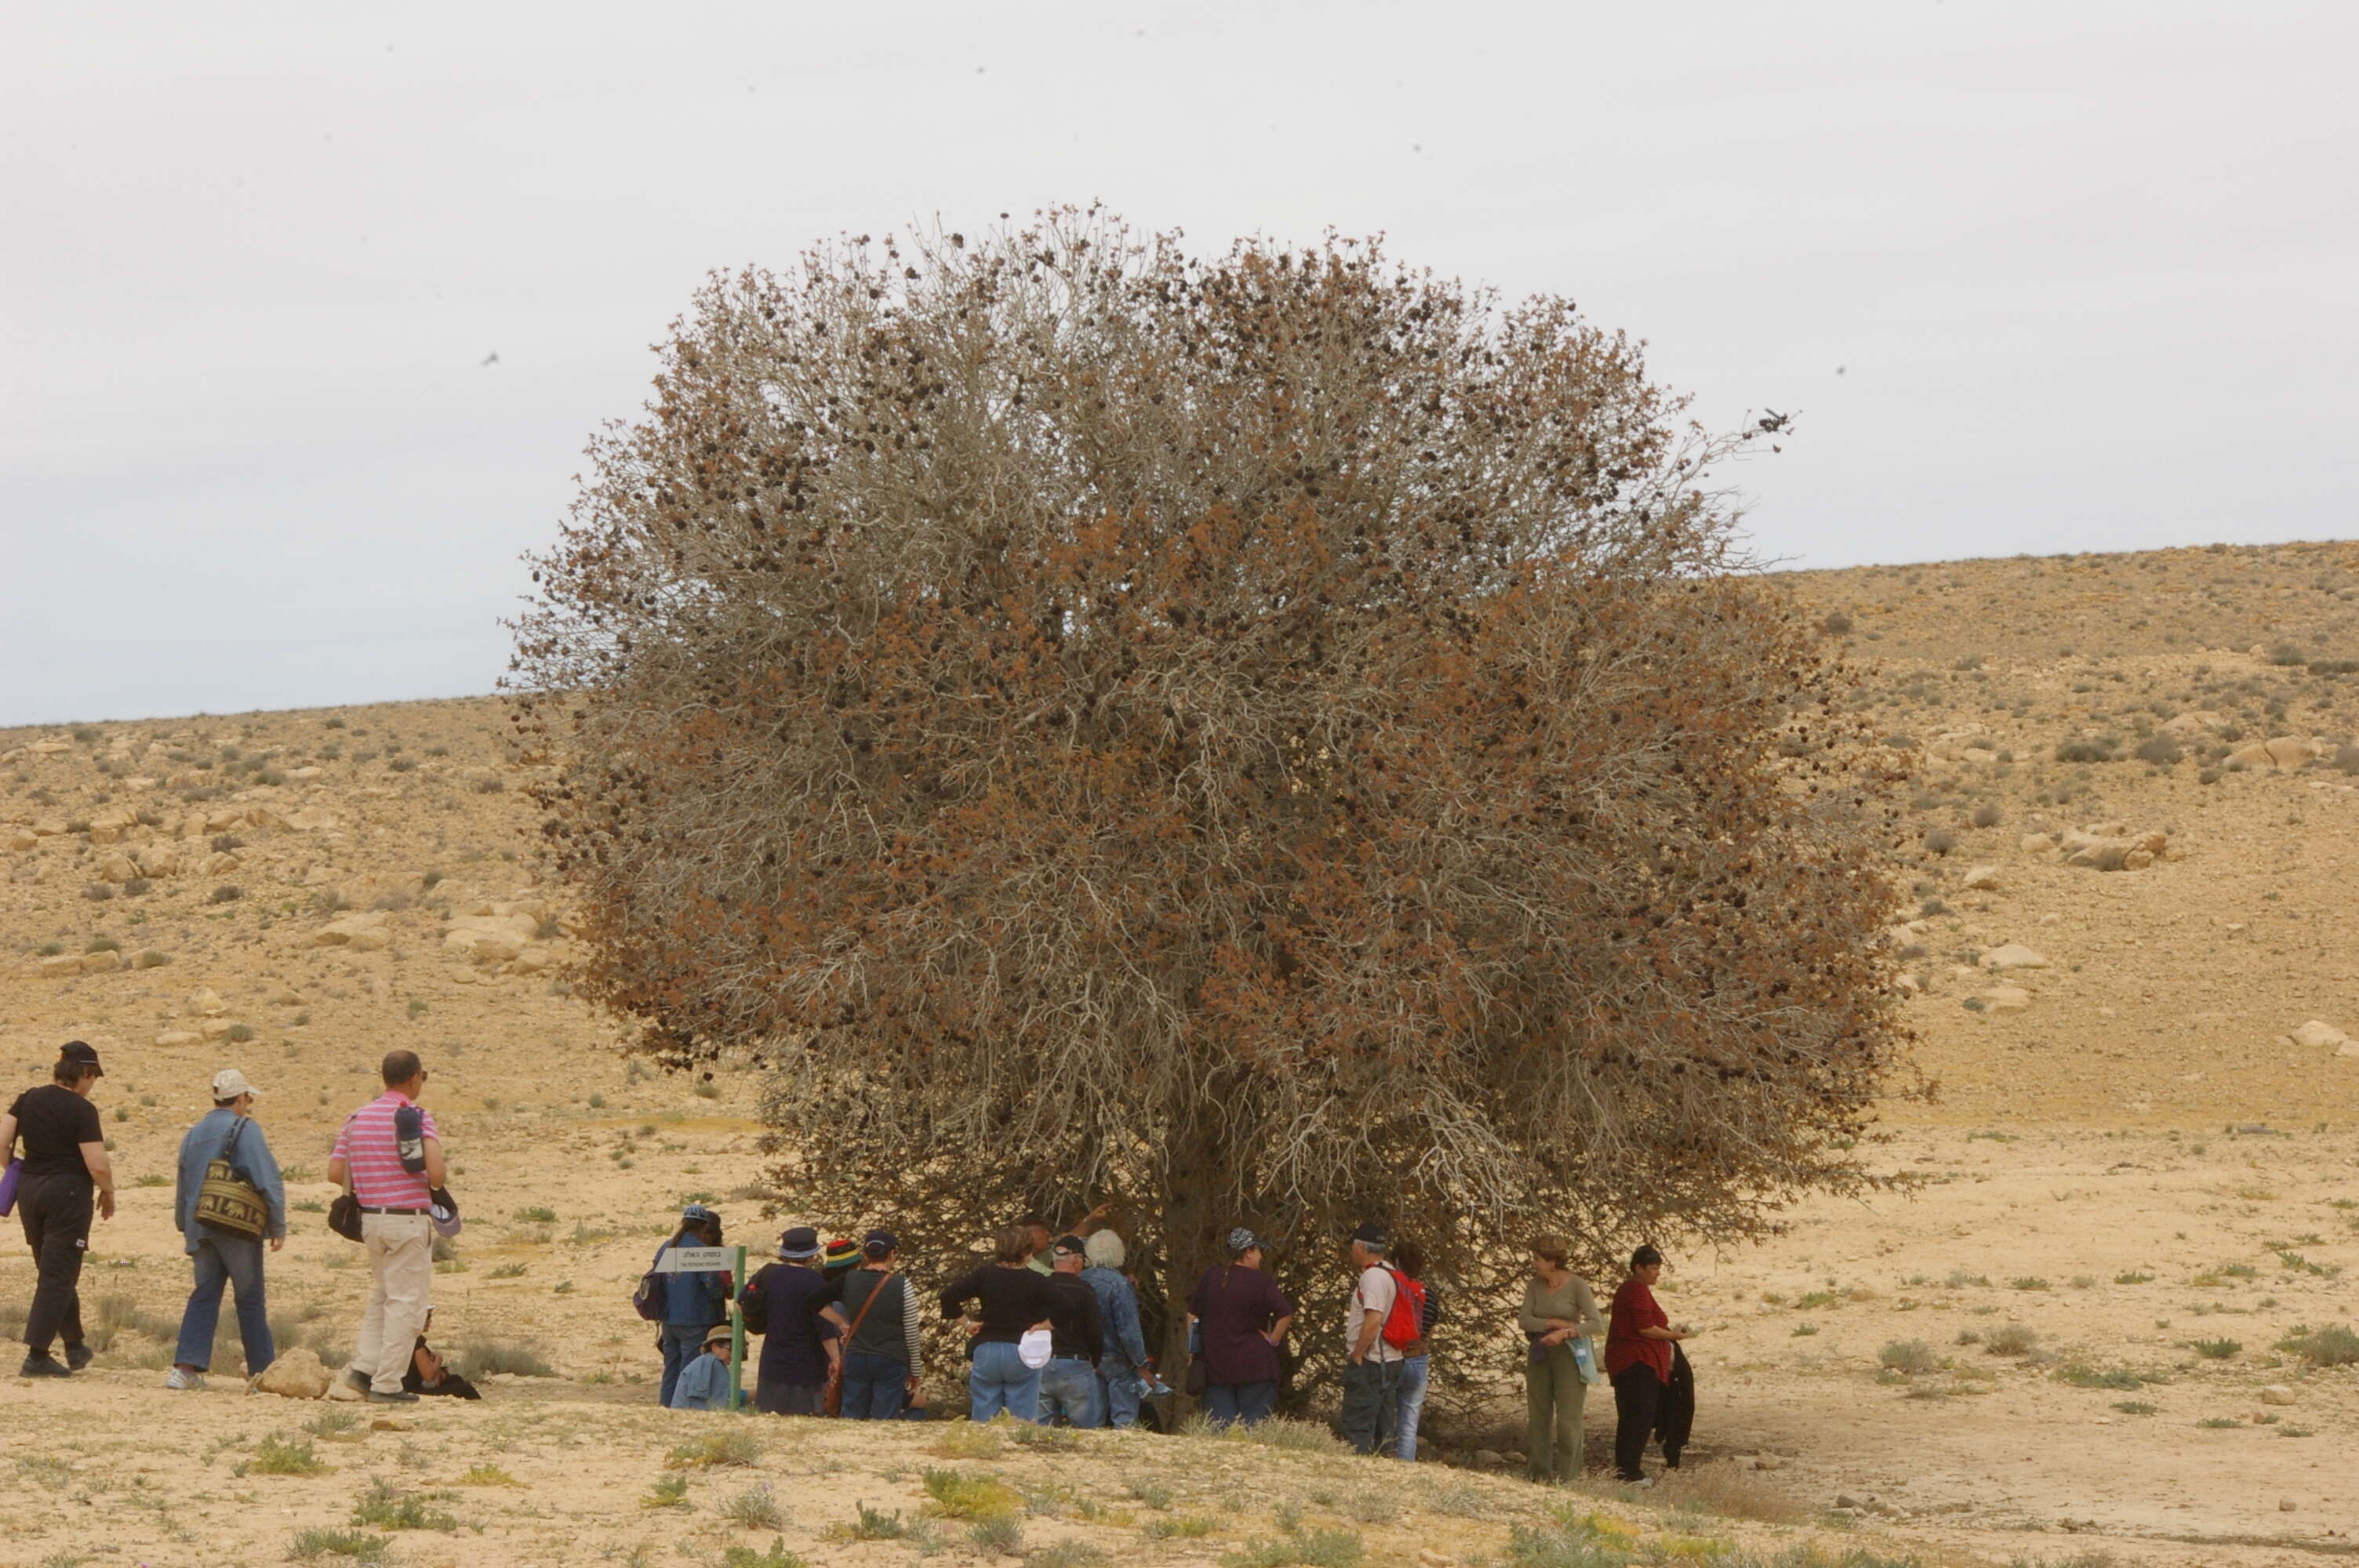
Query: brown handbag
[(831, 1398), (229, 1200)]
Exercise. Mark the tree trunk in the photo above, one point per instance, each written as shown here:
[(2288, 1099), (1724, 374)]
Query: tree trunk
[(1193, 1225)]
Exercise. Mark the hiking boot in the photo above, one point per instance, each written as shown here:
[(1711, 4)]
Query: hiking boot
[(357, 1380), (179, 1377), (42, 1364), (398, 1397), (79, 1354)]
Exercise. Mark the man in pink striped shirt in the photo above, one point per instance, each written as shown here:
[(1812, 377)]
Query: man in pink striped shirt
[(394, 1195)]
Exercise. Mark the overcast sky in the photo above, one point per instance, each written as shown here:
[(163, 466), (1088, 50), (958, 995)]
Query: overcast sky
[(2037, 277)]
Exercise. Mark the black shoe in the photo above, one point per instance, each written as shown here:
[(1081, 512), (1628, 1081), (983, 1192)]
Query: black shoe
[(400, 1397), (78, 1356), (356, 1381), (42, 1364)]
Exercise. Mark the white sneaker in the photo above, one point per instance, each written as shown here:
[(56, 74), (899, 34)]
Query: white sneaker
[(1644, 1481), (176, 1378)]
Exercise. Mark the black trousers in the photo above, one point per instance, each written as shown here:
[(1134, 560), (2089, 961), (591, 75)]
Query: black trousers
[(56, 1212), (1637, 1397)]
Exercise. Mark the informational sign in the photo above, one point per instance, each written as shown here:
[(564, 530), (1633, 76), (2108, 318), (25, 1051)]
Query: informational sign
[(700, 1259)]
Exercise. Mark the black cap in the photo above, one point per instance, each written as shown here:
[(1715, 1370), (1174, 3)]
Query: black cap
[(879, 1243), (1071, 1247), (1370, 1236), (79, 1052)]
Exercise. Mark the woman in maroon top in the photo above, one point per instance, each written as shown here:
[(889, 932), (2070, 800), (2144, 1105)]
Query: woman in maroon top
[(1243, 1317), (1638, 1340)]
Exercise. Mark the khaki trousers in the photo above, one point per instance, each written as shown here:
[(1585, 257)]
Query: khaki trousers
[(1554, 1396), (401, 1276)]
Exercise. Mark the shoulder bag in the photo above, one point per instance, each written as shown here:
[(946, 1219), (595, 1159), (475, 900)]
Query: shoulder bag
[(229, 1200), (831, 1398)]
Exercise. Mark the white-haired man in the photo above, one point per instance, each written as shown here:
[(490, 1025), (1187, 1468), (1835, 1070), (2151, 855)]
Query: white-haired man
[(1124, 1363)]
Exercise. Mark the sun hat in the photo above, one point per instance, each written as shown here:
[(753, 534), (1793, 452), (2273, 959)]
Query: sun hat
[(229, 1082), (717, 1334), (799, 1243)]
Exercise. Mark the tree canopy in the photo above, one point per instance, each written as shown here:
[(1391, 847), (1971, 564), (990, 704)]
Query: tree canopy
[(1275, 738)]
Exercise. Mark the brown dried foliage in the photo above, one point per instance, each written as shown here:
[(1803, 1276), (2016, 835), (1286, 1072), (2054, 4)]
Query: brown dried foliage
[(1269, 739)]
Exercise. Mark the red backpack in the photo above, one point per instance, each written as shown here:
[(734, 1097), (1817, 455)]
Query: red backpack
[(1404, 1325)]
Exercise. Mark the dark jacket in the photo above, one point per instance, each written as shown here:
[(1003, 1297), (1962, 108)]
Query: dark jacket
[(1076, 1324), (1013, 1301), (782, 1304)]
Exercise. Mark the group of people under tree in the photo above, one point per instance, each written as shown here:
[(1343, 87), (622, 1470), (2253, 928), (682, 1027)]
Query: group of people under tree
[(1052, 1323), (1053, 1335)]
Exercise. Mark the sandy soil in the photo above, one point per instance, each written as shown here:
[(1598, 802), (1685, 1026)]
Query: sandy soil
[(2136, 1161)]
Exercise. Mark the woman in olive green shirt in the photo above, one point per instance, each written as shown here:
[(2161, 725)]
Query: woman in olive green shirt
[(1558, 1307)]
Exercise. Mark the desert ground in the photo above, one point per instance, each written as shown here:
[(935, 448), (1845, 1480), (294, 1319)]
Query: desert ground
[(2087, 1330)]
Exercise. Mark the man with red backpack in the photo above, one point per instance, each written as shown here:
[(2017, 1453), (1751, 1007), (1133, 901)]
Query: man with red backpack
[(1386, 1317)]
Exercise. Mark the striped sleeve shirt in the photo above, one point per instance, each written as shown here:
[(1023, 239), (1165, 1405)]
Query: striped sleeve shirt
[(371, 1152)]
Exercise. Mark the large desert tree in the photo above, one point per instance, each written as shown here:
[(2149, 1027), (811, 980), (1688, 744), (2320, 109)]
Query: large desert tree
[(1275, 739)]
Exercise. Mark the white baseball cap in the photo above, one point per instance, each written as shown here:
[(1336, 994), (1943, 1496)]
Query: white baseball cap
[(229, 1082)]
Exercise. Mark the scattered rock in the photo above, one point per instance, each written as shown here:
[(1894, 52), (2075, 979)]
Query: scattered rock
[(2037, 843), (22, 838), (1983, 878), (117, 869), (295, 1375), (65, 966), (209, 1003), (2320, 1035), (2005, 999), (2013, 956), (2287, 1504), (490, 938), (172, 1037), (102, 962), (341, 1392), (365, 932), (2114, 851), (2276, 1394), (215, 1028)]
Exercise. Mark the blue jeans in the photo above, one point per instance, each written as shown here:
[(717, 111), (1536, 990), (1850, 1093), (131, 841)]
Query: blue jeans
[(1408, 1403), (1248, 1403), (1001, 1381), (682, 1343), (235, 1261), (1119, 1391), (1069, 1390), (874, 1387)]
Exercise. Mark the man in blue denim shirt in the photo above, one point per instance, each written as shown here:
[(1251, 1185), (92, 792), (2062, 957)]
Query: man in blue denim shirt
[(1120, 1384), (692, 1301), (223, 1259)]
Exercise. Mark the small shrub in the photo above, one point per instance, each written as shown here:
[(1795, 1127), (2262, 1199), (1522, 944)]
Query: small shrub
[(2134, 1277), (2010, 1339), (1001, 1533), (2029, 1282), (311, 1544), (1987, 816), (2162, 749), (98, 893), (873, 1524), (1310, 1548), (2091, 1378), (756, 1507), (1730, 1493), (508, 1271), (734, 1446), (1178, 1527), (777, 1557), (2219, 1423), (228, 893), (2216, 1349), (333, 1422), (151, 959), (2135, 1407), (2333, 1345), (489, 787), (953, 1493), (1835, 623), (239, 1033), (148, 1178), (668, 1492), (387, 1507), (2086, 751), (1153, 1493), (1068, 1554), (278, 1457), (1940, 841), (706, 1089), (1908, 1356), (537, 1215), (483, 1360), (488, 1475)]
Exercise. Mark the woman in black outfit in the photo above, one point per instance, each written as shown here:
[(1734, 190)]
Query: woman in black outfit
[(65, 1159), (1014, 1299)]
